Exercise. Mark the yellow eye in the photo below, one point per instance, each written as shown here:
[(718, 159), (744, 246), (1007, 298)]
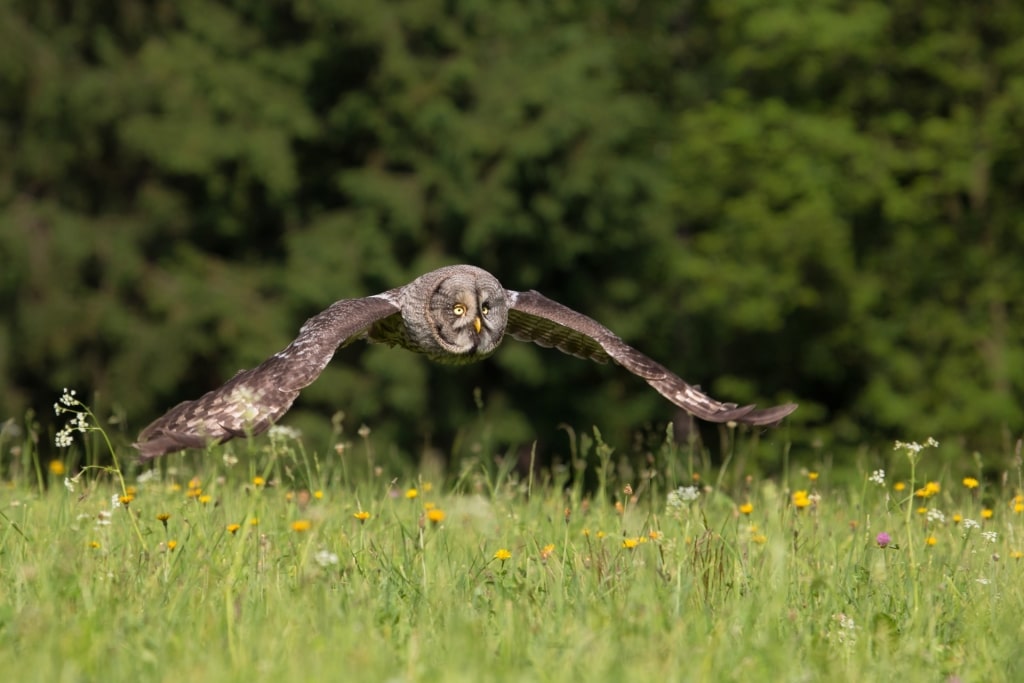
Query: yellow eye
[(459, 310), (485, 309)]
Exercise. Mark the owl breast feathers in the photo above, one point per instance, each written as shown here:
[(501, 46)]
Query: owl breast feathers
[(454, 315)]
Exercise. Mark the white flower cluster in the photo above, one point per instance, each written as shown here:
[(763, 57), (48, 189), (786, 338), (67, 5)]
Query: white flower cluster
[(78, 422), (326, 558), (969, 524), (877, 477), (936, 516), (990, 536), (681, 496), (912, 447)]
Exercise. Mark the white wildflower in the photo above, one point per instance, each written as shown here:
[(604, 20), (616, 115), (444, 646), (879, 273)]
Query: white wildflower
[(983, 581), (877, 477), (936, 516), (69, 484), (115, 502), (990, 536), (148, 476), (103, 519), (63, 438), (284, 433), (847, 631), (969, 524), (325, 558), (682, 495)]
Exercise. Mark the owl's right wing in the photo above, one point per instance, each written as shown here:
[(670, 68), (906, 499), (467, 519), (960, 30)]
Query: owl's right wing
[(535, 318), (254, 399)]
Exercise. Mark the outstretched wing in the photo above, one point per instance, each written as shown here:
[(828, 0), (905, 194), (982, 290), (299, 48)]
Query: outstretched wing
[(535, 318), (254, 399)]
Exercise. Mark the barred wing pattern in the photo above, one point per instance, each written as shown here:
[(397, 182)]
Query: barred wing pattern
[(533, 317), (254, 399)]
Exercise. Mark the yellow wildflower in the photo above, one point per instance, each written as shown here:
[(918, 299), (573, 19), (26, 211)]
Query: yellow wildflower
[(502, 554), (435, 515), (362, 515), (411, 494), (57, 468), (232, 528), (747, 508), (813, 476), (171, 545), (205, 498), (970, 482), (987, 513), (630, 543), (931, 540), (301, 525), (801, 499), (318, 494), (259, 482), (899, 486)]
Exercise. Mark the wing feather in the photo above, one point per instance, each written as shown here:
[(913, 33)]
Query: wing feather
[(254, 399), (535, 318)]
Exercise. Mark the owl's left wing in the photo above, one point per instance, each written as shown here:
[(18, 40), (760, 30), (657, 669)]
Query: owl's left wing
[(254, 399), (535, 318)]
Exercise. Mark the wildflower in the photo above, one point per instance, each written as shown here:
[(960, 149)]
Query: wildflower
[(502, 554), (301, 525), (1018, 506), (913, 448), (546, 551), (930, 541), (233, 528), (883, 540), (69, 484), (194, 493), (877, 477), (283, 433), (205, 498), (801, 499), (628, 490), (259, 482), (987, 513), (435, 515), (600, 534), (990, 536), (126, 499), (586, 531), (318, 494), (171, 545), (103, 518), (162, 517), (682, 495), (936, 516), (619, 507), (970, 524), (361, 515), (970, 482), (813, 476), (630, 543), (57, 467), (1016, 554), (928, 490), (898, 486), (254, 521), (747, 508), (411, 494), (363, 431), (846, 633), (94, 544), (115, 501), (957, 518), (760, 539), (654, 535), (325, 558)]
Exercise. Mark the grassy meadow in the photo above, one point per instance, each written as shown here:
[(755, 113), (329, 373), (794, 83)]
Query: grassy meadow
[(262, 561)]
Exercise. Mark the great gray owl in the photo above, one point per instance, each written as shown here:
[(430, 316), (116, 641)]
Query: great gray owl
[(452, 315)]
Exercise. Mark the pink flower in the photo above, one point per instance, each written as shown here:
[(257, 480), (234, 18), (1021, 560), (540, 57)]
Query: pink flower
[(883, 539)]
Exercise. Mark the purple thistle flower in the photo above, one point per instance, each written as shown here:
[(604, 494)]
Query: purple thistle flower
[(883, 539)]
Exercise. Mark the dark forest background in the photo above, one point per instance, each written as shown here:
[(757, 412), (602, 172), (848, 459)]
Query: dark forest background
[(781, 200)]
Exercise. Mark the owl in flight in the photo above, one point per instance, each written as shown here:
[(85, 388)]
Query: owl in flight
[(452, 315)]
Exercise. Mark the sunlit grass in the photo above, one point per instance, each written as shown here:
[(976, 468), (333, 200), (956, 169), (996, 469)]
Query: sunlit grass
[(222, 568)]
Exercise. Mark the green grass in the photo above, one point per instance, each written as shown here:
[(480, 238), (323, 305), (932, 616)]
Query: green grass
[(706, 592)]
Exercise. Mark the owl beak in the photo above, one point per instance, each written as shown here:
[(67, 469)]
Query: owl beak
[(477, 324)]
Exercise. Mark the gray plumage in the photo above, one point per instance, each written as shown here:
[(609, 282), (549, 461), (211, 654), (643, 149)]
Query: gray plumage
[(454, 315)]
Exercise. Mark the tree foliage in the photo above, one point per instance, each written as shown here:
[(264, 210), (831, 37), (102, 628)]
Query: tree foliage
[(780, 200)]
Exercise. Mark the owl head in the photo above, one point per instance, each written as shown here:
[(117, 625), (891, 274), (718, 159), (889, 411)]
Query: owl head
[(466, 313)]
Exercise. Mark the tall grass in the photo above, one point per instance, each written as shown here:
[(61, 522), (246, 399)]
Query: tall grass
[(266, 562)]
